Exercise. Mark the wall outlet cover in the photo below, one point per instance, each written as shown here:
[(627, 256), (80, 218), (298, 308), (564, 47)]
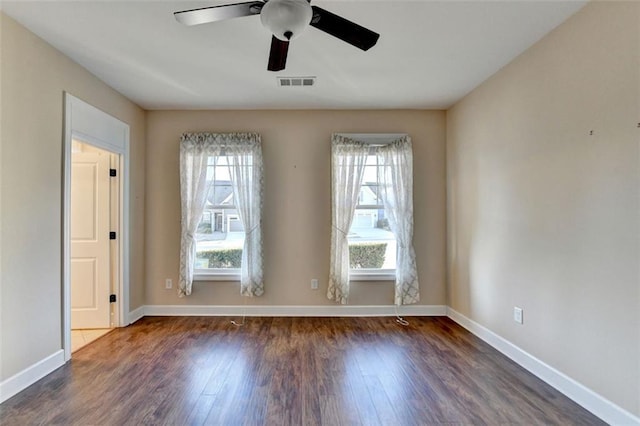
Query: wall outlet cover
[(517, 315)]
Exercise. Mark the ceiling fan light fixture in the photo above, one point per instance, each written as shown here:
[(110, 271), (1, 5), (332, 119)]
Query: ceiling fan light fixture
[(286, 19)]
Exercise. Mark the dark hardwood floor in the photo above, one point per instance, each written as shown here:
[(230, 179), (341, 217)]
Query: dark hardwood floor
[(291, 371)]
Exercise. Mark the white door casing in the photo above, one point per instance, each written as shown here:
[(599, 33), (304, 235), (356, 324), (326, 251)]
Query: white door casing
[(87, 123), (90, 260)]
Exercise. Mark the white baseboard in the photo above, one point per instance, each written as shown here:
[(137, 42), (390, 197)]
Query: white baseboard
[(136, 314), (30, 375), (585, 397), (294, 311)]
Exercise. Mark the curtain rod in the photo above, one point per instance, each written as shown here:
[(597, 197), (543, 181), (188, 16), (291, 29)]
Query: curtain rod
[(375, 139)]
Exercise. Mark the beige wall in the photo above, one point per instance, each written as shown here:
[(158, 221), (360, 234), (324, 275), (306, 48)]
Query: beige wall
[(543, 215), (34, 77), (297, 210)]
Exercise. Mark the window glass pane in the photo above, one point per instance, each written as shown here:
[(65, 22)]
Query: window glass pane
[(370, 174), (372, 160), (371, 242), (368, 196), (222, 173), (220, 234)]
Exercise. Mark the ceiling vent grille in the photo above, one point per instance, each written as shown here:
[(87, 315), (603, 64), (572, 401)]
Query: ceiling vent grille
[(296, 81)]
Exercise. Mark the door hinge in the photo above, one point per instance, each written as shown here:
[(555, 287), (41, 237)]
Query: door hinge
[(112, 235), (112, 298), (113, 172)]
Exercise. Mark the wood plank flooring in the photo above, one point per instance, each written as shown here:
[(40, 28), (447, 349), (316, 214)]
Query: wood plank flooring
[(291, 371)]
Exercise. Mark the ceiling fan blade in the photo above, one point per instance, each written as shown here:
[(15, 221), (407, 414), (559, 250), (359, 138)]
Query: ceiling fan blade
[(218, 13), (350, 32), (278, 54)]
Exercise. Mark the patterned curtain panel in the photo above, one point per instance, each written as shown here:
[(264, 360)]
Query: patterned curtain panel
[(348, 158), (245, 168), (397, 193)]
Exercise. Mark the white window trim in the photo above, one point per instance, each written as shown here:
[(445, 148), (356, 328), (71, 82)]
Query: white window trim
[(216, 274), (372, 274), (373, 139)]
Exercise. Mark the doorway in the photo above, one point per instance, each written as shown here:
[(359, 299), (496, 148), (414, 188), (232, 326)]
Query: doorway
[(95, 264), (94, 256)]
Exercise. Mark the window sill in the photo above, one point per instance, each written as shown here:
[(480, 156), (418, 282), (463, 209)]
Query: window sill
[(360, 275), (202, 275), (235, 276)]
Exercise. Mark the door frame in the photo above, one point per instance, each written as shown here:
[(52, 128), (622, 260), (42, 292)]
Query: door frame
[(95, 127)]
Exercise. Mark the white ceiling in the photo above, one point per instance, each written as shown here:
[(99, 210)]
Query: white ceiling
[(430, 53)]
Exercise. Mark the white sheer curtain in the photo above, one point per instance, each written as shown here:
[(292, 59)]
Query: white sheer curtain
[(396, 185), (244, 150), (245, 169), (194, 154), (348, 158)]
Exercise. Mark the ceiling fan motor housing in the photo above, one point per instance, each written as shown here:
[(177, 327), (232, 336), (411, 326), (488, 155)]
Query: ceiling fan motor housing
[(286, 19)]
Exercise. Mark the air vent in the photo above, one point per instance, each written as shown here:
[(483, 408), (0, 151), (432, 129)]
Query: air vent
[(296, 81)]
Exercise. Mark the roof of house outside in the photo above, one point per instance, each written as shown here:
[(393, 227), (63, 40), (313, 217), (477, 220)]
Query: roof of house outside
[(220, 194)]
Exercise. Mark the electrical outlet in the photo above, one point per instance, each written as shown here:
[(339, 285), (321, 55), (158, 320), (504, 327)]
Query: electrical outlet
[(314, 284), (168, 283), (517, 315)]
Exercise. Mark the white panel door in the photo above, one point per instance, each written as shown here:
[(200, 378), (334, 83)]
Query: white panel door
[(90, 275)]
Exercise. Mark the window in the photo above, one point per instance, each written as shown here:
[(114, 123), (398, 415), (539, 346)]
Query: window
[(220, 234), (372, 245), (372, 215), (221, 206)]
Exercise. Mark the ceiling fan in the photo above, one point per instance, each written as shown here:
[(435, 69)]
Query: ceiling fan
[(286, 19)]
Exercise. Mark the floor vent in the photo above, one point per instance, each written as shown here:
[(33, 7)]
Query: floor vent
[(296, 81)]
